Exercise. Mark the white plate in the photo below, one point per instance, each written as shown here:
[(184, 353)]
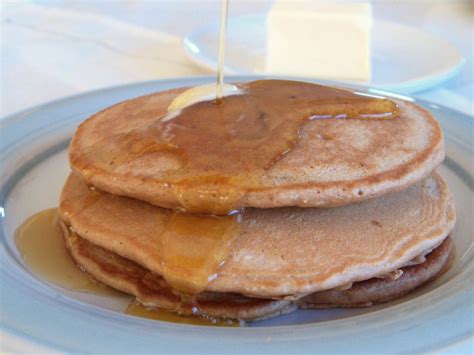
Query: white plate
[(37, 315), (404, 59)]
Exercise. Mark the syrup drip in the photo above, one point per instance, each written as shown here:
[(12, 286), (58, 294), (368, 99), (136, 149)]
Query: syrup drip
[(194, 247)]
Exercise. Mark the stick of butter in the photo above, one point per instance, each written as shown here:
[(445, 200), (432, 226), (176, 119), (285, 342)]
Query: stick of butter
[(323, 39)]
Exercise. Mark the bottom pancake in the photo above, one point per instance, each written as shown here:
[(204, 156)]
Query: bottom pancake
[(378, 290), (151, 290)]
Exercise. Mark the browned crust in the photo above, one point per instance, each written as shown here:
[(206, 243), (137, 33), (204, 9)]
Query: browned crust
[(375, 291), (151, 290), (310, 194)]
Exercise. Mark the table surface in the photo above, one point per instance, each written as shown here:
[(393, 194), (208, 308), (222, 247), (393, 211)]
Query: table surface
[(54, 48)]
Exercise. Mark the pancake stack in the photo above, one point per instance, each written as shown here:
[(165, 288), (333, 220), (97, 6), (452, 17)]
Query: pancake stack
[(287, 195)]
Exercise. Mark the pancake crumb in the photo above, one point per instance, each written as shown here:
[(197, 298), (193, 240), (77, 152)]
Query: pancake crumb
[(376, 223)]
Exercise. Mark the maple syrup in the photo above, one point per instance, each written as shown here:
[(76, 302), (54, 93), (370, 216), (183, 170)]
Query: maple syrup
[(223, 150), (40, 243), (194, 247), (138, 310), (220, 66)]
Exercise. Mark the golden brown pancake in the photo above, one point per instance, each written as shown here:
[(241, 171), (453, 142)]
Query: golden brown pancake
[(285, 252), (334, 162), (151, 290)]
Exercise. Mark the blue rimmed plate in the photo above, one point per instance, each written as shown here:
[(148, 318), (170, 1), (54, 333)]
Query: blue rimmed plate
[(39, 316)]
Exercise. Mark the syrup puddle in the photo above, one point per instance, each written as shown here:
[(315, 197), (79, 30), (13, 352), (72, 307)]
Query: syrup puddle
[(40, 243)]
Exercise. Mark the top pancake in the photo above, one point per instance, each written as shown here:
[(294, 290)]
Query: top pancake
[(334, 162), (281, 251)]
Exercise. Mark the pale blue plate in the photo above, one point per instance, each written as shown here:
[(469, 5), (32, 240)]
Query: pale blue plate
[(39, 316)]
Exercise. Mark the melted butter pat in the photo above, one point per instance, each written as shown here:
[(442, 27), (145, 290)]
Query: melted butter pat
[(40, 243), (206, 92)]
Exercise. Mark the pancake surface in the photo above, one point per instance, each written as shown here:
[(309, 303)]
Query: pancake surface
[(151, 290), (280, 252), (334, 162)]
